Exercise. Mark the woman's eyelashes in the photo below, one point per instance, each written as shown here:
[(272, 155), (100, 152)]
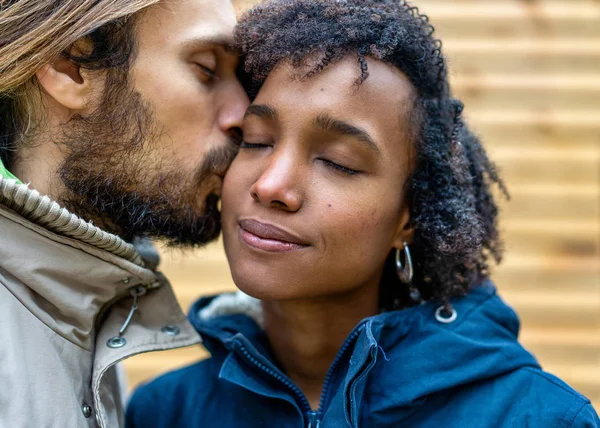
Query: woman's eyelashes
[(338, 167), (329, 163), (246, 145)]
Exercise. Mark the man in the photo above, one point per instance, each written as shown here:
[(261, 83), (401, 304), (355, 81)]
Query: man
[(118, 119)]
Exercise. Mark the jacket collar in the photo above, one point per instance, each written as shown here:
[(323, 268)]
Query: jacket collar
[(71, 269), (410, 348)]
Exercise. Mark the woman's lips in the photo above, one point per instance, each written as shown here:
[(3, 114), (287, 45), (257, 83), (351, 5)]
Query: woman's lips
[(268, 237)]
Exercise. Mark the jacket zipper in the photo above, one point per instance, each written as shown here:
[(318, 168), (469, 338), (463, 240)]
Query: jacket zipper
[(281, 378), (328, 377), (314, 417)]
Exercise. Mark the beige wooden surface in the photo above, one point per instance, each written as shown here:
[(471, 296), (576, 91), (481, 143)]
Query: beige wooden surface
[(529, 73)]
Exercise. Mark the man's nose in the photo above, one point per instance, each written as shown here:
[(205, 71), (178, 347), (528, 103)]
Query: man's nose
[(234, 102)]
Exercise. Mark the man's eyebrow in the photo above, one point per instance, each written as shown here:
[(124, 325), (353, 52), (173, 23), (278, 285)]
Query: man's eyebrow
[(223, 42), (328, 123), (262, 111)]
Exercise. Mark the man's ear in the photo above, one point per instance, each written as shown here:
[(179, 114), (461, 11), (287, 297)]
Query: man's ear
[(63, 81), (404, 232)]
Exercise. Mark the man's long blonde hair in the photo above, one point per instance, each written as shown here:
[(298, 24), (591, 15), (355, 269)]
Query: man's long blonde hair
[(35, 32)]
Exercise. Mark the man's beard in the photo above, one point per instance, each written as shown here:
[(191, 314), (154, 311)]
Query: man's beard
[(116, 176)]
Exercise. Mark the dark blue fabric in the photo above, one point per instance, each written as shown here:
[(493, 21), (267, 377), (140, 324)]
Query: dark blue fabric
[(401, 369)]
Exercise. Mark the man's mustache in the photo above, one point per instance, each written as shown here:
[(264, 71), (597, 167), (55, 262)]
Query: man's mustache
[(217, 161)]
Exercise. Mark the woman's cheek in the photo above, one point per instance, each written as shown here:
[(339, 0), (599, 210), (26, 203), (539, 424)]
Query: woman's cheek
[(354, 224)]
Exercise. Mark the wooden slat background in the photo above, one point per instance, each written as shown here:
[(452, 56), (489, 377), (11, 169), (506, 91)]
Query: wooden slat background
[(529, 73)]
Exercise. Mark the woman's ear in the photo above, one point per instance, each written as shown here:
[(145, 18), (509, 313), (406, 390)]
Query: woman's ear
[(64, 82), (404, 232)]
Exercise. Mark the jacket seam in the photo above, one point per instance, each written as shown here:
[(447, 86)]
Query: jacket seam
[(572, 393), (476, 306), (576, 415)]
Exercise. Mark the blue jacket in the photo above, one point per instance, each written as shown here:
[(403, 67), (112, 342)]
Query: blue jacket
[(398, 369)]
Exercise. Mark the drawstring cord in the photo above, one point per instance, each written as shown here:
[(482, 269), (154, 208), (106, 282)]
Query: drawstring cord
[(119, 341), (136, 292)]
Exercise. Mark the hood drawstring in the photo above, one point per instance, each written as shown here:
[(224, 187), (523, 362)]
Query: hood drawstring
[(119, 341)]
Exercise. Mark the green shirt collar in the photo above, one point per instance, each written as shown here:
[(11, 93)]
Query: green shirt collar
[(5, 173)]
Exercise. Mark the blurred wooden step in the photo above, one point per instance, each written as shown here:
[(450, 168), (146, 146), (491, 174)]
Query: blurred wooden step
[(556, 190), (563, 346), (567, 47), (536, 136), (582, 245), (532, 278), (575, 302), (544, 154), (540, 202), (533, 90), (563, 336), (552, 171), (550, 118), (475, 10), (529, 81), (472, 19), (480, 60), (520, 27), (562, 310), (589, 264)]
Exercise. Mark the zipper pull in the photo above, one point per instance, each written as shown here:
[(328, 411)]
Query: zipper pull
[(313, 420), (119, 341)]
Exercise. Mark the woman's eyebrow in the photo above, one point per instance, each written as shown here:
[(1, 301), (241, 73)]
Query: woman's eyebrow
[(262, 111), (328, 123)]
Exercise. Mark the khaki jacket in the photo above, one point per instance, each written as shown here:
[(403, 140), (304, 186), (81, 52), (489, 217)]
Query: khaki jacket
[(66, 290)]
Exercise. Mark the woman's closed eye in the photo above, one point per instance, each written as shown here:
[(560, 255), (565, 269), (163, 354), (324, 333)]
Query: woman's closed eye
[(338, 167), (247, 145), (329, 163)]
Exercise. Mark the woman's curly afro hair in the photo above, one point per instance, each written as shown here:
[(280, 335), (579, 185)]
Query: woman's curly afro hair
[(452, 209)]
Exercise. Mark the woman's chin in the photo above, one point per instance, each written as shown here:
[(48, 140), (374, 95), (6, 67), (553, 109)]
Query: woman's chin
[(271, 289), (261, 291)]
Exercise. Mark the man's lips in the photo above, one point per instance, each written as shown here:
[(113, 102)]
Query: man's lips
[(268, 237)]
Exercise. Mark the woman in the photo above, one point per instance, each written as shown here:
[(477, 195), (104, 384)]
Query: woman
[(359, 215)]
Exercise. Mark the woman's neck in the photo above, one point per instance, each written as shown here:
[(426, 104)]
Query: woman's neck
[(307, 335)]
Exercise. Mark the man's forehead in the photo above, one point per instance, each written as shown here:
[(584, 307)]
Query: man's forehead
[(193, 20)]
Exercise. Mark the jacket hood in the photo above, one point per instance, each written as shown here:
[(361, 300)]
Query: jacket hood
[(415, 348)]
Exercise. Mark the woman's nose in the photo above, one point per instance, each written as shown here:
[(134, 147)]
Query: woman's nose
[(279, 184)]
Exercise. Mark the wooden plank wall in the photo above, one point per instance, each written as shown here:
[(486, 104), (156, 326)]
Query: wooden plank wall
[(529, 73)]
